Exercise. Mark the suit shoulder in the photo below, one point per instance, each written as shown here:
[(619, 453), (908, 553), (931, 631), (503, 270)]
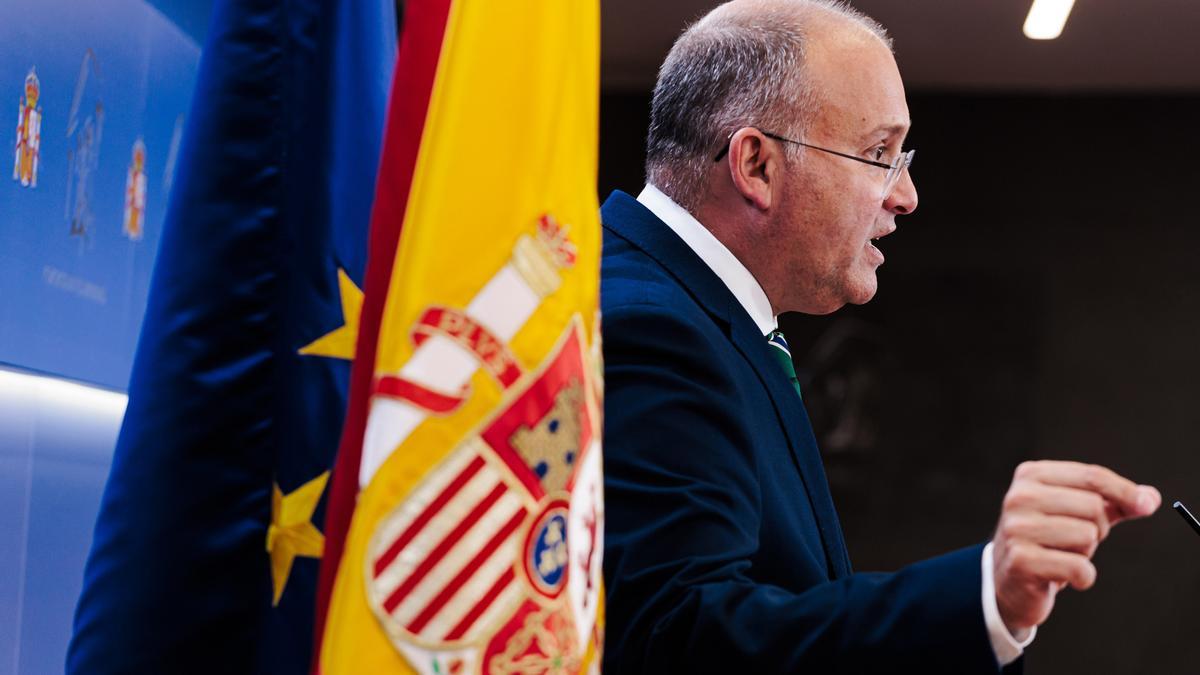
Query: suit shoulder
[(629, 277), (651, 323)]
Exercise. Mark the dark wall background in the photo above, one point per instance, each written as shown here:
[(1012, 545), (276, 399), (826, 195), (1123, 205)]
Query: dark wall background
[(1042, 303)]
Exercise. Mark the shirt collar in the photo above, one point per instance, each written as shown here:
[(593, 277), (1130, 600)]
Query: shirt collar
[(719, 259)]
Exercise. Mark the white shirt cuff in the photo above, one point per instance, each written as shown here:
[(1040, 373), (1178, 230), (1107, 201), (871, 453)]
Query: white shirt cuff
[(1005, 645)]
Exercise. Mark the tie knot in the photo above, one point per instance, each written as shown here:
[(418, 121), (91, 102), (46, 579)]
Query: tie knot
[(783, 355), (777, 340)]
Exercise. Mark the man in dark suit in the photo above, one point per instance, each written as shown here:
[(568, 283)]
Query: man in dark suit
[(774, 163)]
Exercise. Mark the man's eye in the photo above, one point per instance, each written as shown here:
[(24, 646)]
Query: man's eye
[(878, 153)]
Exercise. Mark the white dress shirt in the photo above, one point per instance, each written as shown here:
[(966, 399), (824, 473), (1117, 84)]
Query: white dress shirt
[(754, 300)]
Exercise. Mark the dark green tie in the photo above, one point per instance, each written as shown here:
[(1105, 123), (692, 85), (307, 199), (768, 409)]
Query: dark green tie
[(779, 347)]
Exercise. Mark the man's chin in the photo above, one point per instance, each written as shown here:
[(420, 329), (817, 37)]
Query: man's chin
[(851, 294), (864, 298), (862, 292)]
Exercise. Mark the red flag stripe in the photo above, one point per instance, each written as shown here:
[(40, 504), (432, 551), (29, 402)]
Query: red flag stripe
[(448, 592), (443, 547), (484, 602), (430, 511), (420, 49)]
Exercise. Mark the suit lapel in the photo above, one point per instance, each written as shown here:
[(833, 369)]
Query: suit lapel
[(794, 419), (627, 218)]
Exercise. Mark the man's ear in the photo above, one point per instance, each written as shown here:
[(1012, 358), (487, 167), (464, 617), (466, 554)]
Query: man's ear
[(754, 167)]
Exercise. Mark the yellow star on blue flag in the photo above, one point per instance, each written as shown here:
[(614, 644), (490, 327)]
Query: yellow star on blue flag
[(291, 532), (340, 343)]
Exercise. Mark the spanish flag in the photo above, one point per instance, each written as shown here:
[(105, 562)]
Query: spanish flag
[(466, 517)]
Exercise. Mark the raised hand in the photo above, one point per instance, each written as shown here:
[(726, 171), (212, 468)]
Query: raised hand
[(1054, 516)]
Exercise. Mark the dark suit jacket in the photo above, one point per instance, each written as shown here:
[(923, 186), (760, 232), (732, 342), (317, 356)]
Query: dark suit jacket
[(723, 552)]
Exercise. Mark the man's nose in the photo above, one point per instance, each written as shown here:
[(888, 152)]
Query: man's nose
[(903, 199)]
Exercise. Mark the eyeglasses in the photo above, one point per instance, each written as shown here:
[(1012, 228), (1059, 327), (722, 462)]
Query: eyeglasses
[(895, 169)]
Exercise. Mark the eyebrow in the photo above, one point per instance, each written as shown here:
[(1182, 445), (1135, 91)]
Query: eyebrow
[(891, 129)]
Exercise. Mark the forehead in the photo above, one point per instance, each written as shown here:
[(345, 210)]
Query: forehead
[(857, 84)]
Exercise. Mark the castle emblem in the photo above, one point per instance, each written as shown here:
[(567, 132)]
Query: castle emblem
[(135, 193), (29, 133)]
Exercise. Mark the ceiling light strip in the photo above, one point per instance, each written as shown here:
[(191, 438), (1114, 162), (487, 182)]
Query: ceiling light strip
[(1047, 18)]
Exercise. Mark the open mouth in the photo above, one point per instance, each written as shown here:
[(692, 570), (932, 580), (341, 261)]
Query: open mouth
[(874, 241)]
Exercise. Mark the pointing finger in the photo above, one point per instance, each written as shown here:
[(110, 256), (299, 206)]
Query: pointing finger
[(1126, 498)]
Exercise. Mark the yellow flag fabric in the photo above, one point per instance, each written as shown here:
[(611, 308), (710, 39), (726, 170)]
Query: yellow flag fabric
[(475, 545)]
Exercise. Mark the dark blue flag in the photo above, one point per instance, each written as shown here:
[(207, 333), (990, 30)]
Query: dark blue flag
[(209, 536)]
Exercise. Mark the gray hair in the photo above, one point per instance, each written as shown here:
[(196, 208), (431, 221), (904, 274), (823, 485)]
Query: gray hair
[(735, 67)]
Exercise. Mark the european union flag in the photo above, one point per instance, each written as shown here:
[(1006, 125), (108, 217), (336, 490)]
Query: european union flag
[(209, 536)]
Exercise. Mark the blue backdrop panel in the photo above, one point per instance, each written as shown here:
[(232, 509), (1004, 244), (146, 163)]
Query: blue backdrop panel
[(73, 284), (112, 77)]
